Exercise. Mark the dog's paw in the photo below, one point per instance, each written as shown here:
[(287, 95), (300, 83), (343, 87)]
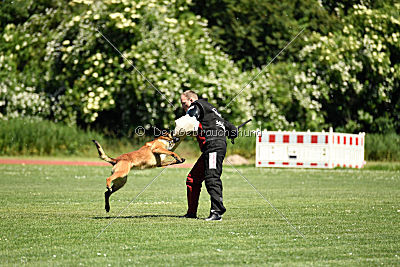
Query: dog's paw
[(182, 160), (107, 195)]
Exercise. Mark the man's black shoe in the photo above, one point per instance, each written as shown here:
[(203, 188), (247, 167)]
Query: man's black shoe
[(190, 216), (214, 217)]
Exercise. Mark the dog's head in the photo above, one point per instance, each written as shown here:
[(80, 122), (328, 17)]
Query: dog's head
[(173, 141), (167, 139), (165, 136)]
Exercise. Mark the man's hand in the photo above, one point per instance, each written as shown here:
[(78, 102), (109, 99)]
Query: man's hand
[(234, 132)]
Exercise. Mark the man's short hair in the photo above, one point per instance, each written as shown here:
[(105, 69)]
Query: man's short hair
[(190, 94)]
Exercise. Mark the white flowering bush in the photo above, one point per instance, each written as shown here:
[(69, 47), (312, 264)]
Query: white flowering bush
[(166, 49), (25, 86), (117, 64), (351, 78)]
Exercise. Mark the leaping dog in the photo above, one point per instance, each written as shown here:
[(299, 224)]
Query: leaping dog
[(152, 154)]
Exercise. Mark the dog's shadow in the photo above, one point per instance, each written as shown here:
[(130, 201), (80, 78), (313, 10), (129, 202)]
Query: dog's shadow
[(136, 217)]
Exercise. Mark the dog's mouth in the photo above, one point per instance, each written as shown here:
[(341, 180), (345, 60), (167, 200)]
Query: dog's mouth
[(171, 144)]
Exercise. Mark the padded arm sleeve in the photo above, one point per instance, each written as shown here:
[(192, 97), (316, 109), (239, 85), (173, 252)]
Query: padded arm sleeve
[(186, 125)]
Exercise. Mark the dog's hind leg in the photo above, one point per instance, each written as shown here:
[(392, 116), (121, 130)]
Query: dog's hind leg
[(117, 184), (120, 170), (107, 195)]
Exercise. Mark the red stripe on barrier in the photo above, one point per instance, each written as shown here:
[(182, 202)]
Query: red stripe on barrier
[(326, 139), (356, 166), (333, 139), (300, 139), (344, 140), (286, 138), (272, 138), (326, 164), (362, 141), (338, 139), (356, 141), (351, 140), (285, 163), (271, 163), (259, 138), (313, 164), (259, 163), (314, 139), (299, 164)]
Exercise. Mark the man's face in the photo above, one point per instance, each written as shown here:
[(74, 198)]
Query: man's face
[(186, 102)]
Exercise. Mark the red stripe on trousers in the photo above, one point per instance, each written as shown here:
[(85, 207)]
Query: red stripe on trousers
[(193, 185)]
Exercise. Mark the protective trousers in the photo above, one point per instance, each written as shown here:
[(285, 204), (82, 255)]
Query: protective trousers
[(208, 168)]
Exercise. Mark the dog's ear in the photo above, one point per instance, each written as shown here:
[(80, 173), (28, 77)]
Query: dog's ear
[(167, 134)]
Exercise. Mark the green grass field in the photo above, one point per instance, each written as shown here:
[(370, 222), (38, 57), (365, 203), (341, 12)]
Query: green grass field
[(52, 215)]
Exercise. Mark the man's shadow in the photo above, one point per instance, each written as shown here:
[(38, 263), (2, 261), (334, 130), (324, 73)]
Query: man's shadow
[(136, 217)]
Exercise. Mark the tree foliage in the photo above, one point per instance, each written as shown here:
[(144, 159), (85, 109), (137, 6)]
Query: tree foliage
[(254, 31), (353, 74), (117, 64)]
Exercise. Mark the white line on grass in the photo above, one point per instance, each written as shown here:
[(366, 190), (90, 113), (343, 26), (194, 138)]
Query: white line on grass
[(119, 214), (280, 213)]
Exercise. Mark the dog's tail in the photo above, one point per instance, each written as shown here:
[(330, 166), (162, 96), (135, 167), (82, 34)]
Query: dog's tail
[(103, 155)]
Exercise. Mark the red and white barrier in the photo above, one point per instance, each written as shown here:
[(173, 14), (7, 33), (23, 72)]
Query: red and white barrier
[(309, 149)]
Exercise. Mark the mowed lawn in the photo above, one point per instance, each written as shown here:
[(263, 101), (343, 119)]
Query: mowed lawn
[(53, 215)]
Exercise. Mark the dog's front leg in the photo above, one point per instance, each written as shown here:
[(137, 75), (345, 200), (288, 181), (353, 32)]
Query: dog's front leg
[(160, 150)]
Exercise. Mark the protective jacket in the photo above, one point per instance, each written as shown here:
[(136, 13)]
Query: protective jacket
[(211, 124)]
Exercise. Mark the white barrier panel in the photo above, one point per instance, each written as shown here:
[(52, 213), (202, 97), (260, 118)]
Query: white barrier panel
[(309, 149)]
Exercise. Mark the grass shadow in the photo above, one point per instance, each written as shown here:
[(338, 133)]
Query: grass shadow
[(136, 217)]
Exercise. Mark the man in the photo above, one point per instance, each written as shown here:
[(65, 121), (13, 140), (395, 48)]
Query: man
[(211, 136)]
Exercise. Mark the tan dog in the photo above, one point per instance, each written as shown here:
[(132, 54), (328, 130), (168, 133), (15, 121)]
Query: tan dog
[(152, 154)]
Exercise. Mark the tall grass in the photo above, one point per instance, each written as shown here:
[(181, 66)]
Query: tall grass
[(244, 146), (382, 147), (32, 136), (40, 137), (28, 136)]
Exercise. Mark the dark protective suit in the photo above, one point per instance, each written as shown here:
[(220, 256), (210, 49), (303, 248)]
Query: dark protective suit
[(211, 136)]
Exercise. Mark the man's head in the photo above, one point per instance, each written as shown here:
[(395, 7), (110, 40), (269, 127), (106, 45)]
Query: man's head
[(187, 98)]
